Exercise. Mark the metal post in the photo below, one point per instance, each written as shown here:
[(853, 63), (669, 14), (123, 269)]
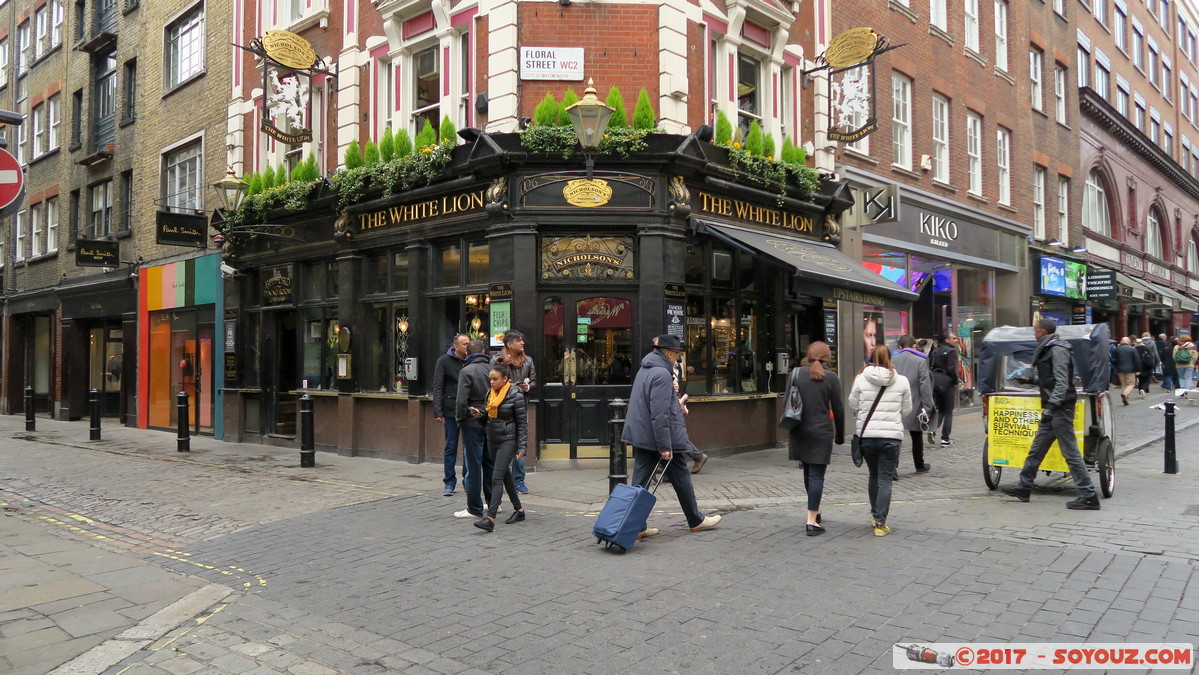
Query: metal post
[(307, 444), (618, 468), (30, 423), (1171, 457), (184, 441), (93, 407)]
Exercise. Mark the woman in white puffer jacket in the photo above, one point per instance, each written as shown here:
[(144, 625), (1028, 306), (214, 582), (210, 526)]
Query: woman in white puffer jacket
[(880, 439)]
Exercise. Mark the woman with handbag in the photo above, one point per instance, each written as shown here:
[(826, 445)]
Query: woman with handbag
[(817, 391), (880, 399)]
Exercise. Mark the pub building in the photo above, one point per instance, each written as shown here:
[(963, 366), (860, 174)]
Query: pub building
[(353, 309), (965, 265)]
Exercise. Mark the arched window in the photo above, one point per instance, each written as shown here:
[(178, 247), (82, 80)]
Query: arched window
[(1094, 206), (1153, 235)]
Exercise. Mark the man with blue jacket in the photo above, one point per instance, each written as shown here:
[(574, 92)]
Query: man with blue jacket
[(1053, 363), (654, 428)]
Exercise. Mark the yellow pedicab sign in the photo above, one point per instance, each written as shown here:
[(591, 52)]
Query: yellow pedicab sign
[(1012, 423)]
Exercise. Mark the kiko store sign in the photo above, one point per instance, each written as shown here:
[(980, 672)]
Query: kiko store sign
[(930, 229)]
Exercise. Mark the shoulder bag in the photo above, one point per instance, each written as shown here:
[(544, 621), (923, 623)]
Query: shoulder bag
[(793, 404), (855, 444)]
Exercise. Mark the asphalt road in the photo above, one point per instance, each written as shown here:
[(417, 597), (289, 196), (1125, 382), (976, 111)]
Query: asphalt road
[(124, 556)]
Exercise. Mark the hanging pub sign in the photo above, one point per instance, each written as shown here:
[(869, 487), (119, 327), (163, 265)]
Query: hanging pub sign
[(849, 59), (180, 229), (97, 253), (288, 65)]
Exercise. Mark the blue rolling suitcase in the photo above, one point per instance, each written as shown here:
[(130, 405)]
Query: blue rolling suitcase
[(625, 515)]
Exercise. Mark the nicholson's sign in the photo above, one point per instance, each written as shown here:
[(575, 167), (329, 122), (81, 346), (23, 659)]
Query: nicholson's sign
[(288, 66)]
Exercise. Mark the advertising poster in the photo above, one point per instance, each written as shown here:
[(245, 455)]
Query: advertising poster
[(1012, 423), (872, 332)]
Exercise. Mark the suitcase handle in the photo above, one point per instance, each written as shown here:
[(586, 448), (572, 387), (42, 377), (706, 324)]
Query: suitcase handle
[(660, 472)]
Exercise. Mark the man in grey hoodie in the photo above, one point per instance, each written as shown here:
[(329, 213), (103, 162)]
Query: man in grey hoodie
[(913, 364), (1053, 362), (471, 412)]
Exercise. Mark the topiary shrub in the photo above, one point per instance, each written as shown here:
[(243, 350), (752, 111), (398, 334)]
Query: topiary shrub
[(353, 157), (724, 129), (387, 146), (643, 113), (569, 99), (447, 131), (546, 112), (268, 178), (620, 118), (427, 137), (403, 143), (371, 156)]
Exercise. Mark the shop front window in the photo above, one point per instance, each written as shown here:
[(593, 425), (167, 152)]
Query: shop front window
[(553, 340), (448, 266), (603, 341), (975, 316), (319, 353), (725, 350)]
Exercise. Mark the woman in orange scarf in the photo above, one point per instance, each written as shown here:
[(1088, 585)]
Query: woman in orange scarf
[(507, 438)]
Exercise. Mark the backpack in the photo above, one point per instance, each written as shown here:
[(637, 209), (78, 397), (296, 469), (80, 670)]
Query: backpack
[(1146, 357), (1182, 355)]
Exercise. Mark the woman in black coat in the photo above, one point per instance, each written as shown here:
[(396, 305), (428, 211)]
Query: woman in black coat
[(507, 438), (811, 441)]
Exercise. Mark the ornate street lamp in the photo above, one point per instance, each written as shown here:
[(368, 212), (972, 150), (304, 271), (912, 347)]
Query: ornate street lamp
[(590, 119), (231, 189)]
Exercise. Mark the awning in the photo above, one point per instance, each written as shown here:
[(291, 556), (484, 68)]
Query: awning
[(1137, 288), (1174, 298), (830, 272)]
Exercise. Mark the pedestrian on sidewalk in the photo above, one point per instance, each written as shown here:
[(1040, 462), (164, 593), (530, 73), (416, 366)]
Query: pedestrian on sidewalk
[(445, 398), (1127, 364), (654, 427), (507, 440), (698, 457), (884, 396), (473, 387), (823, 424), (524, 375), (1053, 363), (1149, 363), (913, 364), (1165, 353), (1185, 357), (945, 365)]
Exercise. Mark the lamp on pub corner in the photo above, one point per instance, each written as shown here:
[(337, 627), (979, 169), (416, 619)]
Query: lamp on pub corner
[(589, 116), (230, 189)]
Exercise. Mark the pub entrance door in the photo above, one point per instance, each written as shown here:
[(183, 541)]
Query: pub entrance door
[(589, 359)]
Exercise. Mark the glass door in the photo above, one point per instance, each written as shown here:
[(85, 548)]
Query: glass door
[(106, 365), (589, 360)]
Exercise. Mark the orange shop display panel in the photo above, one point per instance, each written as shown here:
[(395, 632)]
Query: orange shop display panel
[(177, 320)]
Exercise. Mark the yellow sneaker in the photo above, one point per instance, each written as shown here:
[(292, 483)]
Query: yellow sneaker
[(881, 530)]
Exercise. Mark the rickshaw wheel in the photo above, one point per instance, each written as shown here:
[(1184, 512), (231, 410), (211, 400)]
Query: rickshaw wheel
[(991, 473), (1107, 467)]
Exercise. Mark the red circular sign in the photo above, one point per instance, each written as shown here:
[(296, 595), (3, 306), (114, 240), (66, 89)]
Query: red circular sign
[(12, 179)]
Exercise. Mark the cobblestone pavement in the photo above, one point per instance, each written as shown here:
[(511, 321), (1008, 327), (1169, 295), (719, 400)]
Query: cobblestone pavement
[(356, 566)]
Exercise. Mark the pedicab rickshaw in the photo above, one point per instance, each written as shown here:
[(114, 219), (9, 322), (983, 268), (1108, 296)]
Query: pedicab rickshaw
[(1012, 402)]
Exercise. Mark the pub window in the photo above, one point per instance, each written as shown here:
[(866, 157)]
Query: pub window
[(388, 332), (320, 281), (399, 271), (448, 265), (722, 335), (693, 263), (722, 268), (553, 340), (377, 269), (319, 352), (249, 356), (331, 280), (749, 91), (426, 95), (697, 359), (478, 263)]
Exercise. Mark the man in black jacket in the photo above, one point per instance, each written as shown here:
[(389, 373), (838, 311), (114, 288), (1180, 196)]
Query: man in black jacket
[(943, 364), (1053, 362), (471, 412), (445, 398)]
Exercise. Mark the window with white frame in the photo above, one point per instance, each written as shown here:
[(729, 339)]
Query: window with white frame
[(1003, 159), (1183, 87), (974, 152), (1192, 256), (1153, 63), (294, 10), (1184, 154), (182, 177), (971, 25), (1193, 102), (56, 19), (24, 48), (1084, 66), (1059, 93), (185, 47), (51, 224), (39, 131), (101, 209), (940, 138), (1035, 68), (1120, 28), (1167, 82), (465, 108), (1095, 216), (1155, 127), (1059, 6), (1163, 16), (1153, 235), (3, 62), (749, 91), (20, 223), (1168, 139), (426, 87), (54, 121), (901, 121), (1138, 117), (1122, 97), (22, 134), (938, 14), (1038, 202), (37, 226), (1102, 84), (1099, 9), (1063, 209), (1001, 34), (1138, 45), (41, 27)]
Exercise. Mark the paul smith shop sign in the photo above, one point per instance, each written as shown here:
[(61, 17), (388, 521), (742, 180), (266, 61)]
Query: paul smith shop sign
[(446, 206), (734, 209)]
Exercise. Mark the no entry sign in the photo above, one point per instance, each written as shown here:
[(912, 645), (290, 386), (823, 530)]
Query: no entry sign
[(12, 180)]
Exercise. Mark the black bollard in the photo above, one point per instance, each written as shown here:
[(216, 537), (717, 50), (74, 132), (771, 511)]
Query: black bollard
[(183, 441), (618, 467), (1171, 457), (307, 444), (93, 408), (30, 423)]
